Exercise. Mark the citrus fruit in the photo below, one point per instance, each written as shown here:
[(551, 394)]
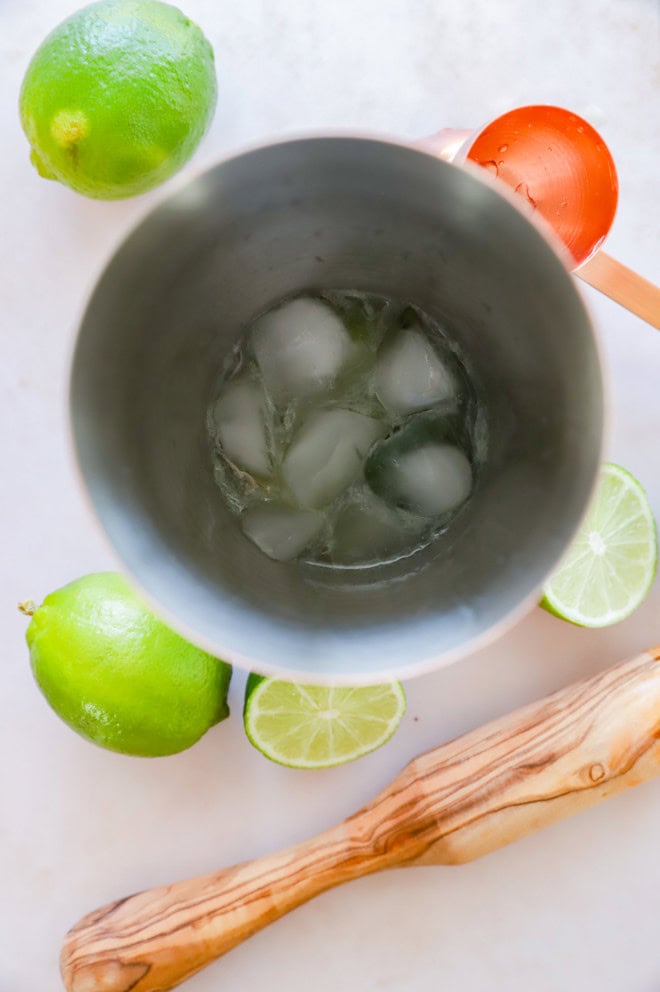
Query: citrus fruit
[(118, 97), (608, 570), (117, 674), (313, 726)]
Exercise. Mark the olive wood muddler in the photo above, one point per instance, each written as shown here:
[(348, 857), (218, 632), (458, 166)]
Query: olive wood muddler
[(450, 805)]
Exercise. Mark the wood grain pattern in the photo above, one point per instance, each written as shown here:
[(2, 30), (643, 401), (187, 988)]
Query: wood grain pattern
[(623, 286), (455, 803)]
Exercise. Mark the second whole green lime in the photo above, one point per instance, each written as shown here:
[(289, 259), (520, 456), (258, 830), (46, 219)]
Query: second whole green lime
[(118, 97), (119, 676)]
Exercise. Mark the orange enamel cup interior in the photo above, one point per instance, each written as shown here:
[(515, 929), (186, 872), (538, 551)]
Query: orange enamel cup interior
[(562, 167)]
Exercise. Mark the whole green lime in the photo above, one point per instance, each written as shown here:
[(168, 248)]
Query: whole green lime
[(118, 97), (118, 675)]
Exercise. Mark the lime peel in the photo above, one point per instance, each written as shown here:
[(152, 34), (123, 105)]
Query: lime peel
[(117, 675), (68, 127), (117, 97)]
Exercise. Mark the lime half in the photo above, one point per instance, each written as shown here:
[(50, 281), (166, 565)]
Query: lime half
[(312, 726), (608, 570)]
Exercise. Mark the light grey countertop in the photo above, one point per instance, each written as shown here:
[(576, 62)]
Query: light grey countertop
[(572, 909)]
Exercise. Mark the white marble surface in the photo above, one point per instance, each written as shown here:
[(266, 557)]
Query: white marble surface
[(574, 908)]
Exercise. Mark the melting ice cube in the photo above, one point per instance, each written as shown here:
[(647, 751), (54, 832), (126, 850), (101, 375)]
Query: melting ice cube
[(238, 423), (368, 530), (281, 532), (327, 454), (301, 347), (431, 479), (410, 374)]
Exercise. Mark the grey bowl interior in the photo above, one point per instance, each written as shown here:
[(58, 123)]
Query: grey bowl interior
[(334, 213)]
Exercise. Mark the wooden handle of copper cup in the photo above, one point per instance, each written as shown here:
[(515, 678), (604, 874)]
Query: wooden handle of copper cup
[(455, 803)]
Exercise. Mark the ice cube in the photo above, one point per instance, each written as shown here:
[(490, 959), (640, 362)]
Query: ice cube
[(281, 532), (327, 454), (367, 530), (301, 347), (410, 375), (238, 422), (431, 480)]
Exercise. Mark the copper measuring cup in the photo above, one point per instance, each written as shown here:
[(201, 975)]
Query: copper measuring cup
[(565, 172)]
